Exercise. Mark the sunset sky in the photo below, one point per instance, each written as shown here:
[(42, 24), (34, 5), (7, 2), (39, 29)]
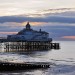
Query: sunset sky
[(54, 16)]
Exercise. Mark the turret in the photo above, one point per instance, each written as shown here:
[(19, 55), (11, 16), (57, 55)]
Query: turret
[(28, 27)]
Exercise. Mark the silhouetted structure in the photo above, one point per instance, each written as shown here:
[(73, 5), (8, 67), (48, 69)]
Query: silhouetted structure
[(29, 40), (9, 66)]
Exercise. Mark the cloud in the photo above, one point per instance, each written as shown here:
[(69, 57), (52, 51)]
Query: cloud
[(59, 19), (55, 32), (8, 32), (55, 11), (69, 37), (10, 26), (34, 23), (59, 25), (66, 14), (60, 15), (47, 12), (4, 34)]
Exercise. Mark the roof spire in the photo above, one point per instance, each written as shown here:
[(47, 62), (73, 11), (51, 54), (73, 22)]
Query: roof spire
[(28, 22), (28, 26)]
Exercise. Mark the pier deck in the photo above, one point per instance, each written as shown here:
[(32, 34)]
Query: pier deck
[(21, 46), (9, 66)]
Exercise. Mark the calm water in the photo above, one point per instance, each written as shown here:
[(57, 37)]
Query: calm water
[(63, 57)]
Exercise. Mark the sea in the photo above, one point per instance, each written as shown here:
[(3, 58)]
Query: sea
[(63, 60)]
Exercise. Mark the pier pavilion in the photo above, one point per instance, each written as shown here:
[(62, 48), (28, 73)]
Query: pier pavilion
[(29, 40)]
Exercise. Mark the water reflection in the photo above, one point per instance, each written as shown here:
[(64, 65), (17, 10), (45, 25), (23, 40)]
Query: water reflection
[(27, 72)]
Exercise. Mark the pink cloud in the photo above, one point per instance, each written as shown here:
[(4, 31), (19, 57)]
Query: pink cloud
[(34, 23), (69, 37), (8, 33)]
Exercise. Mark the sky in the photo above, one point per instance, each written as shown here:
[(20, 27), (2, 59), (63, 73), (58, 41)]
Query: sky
[(54, 16)]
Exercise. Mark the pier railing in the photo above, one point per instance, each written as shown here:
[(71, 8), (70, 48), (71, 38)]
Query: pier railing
[(29, 46), (9, 66)]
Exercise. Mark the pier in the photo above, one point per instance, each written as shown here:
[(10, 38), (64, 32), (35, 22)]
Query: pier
[(22, 46), (9, 66), (24, 41), (29, 40)]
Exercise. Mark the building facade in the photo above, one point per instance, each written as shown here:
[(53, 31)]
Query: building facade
[(28, 34)]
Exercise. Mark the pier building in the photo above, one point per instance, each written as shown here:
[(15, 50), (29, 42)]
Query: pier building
[(29, 40)]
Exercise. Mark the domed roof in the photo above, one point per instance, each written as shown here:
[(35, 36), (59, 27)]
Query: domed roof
[(28, 26)]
